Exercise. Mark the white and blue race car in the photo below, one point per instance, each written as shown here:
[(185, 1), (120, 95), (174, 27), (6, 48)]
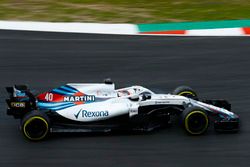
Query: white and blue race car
[(78, 107)]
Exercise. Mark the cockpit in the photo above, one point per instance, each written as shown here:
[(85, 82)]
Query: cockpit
[(133, 91)]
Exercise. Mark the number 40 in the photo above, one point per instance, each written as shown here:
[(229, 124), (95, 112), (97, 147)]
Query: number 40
[(49, 96)]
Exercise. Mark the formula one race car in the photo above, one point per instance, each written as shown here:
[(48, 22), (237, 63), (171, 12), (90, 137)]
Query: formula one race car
[(100, 108)]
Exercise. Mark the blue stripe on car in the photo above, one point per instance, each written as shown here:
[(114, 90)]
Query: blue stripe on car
[(58, 91), (67, 88), (54, 106)]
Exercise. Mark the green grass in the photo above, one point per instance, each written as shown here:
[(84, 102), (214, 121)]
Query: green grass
[(124, 11)]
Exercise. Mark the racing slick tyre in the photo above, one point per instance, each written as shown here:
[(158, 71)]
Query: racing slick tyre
[(195, 120), (35, 126), (185, 91)]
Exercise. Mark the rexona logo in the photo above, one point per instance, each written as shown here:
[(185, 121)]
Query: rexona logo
[(91, 114), (87, 98)]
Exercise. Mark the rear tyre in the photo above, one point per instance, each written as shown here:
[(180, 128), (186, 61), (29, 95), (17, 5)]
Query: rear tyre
[(35, 126), (195, 120), (185, 91)]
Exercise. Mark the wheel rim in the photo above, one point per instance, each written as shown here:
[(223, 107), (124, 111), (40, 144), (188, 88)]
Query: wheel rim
[(196, 122), (35, 128)]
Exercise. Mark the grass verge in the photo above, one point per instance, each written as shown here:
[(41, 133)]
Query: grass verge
[(120, 11)]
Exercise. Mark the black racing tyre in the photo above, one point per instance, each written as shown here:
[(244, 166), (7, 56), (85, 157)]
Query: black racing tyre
[(195, 120), (185, 91), (35, 126)]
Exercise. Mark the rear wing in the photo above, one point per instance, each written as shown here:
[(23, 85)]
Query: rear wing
[(20, 91), (20, 100)]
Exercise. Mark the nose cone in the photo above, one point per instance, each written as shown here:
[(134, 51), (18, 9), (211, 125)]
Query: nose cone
[(230, 124)]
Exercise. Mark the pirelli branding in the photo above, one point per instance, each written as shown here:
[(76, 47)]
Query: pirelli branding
[(86, 98)]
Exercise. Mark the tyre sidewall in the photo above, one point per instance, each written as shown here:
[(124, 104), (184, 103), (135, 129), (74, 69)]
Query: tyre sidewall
[(186, 116), (184, 91), (29, 117)]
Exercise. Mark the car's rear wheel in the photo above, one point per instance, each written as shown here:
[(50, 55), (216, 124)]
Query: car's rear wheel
[(185, 91), (195, 120), (35, 126)]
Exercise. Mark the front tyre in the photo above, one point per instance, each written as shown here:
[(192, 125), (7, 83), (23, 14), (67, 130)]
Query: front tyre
[(185, 91), (35, 126), (195, 120)]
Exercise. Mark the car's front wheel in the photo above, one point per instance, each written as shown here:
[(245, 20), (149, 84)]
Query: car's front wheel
[(195, 120), (35, 126), (185, 91)]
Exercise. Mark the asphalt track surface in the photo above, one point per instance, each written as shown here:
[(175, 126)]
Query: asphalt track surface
[(217, 67)]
